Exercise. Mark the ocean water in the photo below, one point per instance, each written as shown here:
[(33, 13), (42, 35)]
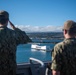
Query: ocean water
[(24, 52)]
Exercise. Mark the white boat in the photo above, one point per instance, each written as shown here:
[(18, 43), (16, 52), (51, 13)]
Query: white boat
[(37, 47)]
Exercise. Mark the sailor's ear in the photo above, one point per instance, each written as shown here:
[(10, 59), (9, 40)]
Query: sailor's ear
[(65, 31)]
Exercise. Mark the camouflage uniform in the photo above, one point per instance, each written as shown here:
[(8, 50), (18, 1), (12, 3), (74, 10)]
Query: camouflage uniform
[(9, 39), (64, 57)]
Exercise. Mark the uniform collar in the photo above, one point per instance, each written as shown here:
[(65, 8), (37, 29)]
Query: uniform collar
[(70, 39)]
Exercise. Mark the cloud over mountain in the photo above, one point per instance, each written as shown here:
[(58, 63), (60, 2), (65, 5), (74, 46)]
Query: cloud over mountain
[(48, 28)]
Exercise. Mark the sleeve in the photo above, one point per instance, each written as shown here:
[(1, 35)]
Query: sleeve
[(21, 37), (56, 59)]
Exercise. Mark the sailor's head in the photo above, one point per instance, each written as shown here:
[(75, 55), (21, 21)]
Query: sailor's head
[(4, 17), (70, 26)]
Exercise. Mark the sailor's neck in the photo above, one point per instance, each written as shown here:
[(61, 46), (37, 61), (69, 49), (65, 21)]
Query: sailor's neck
[(3, 25), (70, 37)]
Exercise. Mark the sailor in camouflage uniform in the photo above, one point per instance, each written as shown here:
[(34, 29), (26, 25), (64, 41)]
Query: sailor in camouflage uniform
[(9, 40), (64, 53)]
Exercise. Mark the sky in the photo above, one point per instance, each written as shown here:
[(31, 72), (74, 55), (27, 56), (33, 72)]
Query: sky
[(39, 15)]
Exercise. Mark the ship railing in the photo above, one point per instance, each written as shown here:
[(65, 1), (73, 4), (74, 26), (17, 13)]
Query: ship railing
[(37, 69)]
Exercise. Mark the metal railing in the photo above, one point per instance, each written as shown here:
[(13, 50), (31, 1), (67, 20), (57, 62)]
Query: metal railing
[(37, 67)]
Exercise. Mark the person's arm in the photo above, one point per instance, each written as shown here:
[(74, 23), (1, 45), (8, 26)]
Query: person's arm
[(56, 60), (12, 25), (21, 37), (55, 72)]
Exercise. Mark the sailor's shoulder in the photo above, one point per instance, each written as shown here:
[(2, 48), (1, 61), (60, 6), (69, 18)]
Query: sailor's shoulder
[(60, 44)]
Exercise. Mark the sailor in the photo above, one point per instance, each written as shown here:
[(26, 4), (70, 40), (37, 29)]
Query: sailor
[(9, 40), (64, 53)]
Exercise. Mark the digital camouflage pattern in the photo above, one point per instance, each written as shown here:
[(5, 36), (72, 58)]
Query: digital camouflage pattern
[(9, 39), (64, 57)]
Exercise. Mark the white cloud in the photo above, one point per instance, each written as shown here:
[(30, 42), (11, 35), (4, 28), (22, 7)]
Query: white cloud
[(48, 28)]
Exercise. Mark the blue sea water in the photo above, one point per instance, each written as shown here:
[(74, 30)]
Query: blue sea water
[(24, 52)]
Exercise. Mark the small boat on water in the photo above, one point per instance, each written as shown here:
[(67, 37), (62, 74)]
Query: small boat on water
[(38, 47)]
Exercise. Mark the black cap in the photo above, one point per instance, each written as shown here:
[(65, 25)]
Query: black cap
[(4, 13)]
